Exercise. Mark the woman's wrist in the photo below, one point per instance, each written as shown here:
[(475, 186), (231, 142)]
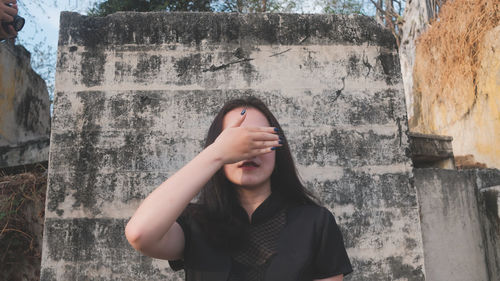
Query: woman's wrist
[(213, 154)]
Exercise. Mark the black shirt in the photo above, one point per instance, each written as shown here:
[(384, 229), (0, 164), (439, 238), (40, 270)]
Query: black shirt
[(290, 243)]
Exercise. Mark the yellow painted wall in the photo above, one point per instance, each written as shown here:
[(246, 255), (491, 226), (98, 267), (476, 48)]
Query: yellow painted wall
[(473, 121)]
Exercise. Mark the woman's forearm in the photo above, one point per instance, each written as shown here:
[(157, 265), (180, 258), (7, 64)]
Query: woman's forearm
[(156, 214)]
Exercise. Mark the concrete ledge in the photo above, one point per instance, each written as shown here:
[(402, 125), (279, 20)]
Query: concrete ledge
[(196, 28), (431, 151), (25, 153)]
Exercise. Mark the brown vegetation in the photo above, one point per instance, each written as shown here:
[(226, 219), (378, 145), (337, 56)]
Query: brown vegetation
[(448, 58)]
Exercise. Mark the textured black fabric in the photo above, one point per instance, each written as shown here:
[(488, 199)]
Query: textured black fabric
[(292, 243), (252, 260)]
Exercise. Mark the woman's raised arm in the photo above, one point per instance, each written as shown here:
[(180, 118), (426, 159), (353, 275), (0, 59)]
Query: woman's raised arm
[(149, 230)]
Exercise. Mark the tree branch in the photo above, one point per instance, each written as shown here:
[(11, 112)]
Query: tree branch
[(380, 9), (239, 5), (384, 12)]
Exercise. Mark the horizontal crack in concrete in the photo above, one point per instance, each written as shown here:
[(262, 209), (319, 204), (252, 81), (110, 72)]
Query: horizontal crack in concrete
[(277, 54), (214, 68)]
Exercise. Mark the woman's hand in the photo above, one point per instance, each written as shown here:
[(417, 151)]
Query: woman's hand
[(238, 143)]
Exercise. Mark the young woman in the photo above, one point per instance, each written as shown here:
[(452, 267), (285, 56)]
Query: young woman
[(253, 220)]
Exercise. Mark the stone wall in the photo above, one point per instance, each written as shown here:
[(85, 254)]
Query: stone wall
[(136, 92), (24, 110)]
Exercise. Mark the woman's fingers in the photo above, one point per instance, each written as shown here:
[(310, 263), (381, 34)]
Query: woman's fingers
[(263, 151), (263, 136), (266, 144), (238, 122), (272, 130)]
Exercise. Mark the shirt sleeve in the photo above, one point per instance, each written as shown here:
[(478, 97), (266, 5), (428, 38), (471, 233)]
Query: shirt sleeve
[(331, 257), (183, 221)]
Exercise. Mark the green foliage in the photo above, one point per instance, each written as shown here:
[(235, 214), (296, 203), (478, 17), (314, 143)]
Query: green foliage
[(111, 6), (242, 6), (255, 6), (193, 6), (343, 6)]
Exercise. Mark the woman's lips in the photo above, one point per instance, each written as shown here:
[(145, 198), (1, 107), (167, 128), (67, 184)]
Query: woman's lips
[(248, 168), (249, 165)]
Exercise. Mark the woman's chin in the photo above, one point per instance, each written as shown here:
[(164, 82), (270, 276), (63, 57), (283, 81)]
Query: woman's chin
[(251, 183), (248, 186)]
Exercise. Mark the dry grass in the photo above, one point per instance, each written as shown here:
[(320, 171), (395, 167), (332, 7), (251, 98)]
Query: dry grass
[(448, 54), (22, 198)]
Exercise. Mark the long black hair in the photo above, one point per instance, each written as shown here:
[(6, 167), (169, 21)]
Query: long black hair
[(219, 197)]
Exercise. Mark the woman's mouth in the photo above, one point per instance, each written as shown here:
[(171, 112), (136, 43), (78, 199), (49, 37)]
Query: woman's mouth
[(248, 165)]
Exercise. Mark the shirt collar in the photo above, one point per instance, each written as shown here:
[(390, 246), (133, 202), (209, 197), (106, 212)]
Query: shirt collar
[(270, 206)]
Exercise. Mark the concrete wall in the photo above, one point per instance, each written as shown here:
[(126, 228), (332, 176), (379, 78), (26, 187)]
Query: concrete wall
[(460, 229), (136, 92), (24, 110)]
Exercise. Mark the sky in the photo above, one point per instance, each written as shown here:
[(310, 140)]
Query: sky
[(47, 16), (41, 31)]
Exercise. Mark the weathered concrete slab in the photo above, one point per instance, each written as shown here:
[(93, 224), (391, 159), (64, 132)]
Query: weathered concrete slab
[(134, 101), (460, 223)]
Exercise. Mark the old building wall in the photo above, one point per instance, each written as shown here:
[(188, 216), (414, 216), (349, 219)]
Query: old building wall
[(136, 92), (24, 110)]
